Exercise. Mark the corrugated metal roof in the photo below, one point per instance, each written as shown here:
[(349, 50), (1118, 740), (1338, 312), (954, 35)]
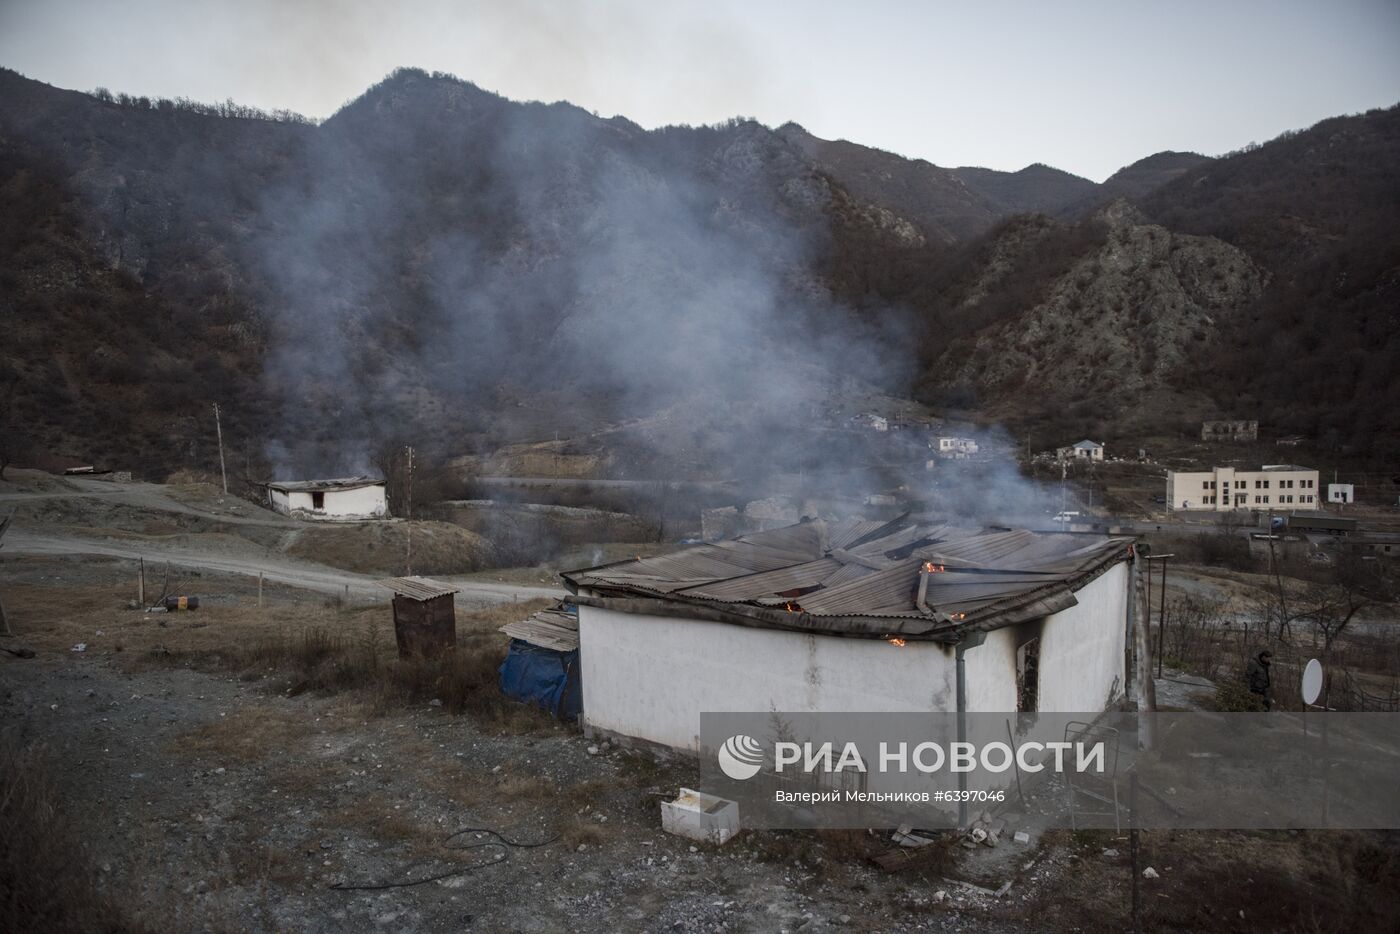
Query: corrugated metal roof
[(555, 629), (315, 486), (417, 588), (862, 578)]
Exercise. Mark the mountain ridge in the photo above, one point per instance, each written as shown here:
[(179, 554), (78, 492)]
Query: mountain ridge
[(431, 242)]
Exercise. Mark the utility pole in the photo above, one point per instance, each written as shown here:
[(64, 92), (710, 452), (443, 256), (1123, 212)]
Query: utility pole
[(1064, 469), (408, 560), (218, 428)]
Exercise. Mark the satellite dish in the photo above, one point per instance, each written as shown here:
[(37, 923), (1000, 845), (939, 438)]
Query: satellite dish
[(1312, 681)]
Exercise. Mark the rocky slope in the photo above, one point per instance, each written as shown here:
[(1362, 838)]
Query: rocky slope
[(1129, 317)]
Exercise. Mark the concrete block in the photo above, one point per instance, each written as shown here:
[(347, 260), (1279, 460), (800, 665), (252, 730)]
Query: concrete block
[(698, 816)]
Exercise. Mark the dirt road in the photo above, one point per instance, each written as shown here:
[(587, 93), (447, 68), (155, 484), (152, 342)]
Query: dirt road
[(278, 569)]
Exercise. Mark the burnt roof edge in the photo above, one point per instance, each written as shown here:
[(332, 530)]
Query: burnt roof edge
[(1038, 602)]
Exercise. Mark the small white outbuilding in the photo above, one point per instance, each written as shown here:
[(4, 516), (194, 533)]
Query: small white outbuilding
[(854, 616), (347, 499)]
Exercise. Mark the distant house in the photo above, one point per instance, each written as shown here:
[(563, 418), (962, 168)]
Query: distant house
[(1224, 488), (1230, 430), (873, 421), (347, 499), (955, 447), (1085, 450), (1341, 493), (1291, 441)]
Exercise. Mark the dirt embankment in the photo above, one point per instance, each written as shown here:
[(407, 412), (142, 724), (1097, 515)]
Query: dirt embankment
[(525, 533), (384, 547), (539, 459)]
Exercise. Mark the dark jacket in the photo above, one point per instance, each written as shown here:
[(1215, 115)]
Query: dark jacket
[(1258, 674)]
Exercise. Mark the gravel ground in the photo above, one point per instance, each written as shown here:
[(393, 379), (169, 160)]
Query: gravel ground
[(215, 803)]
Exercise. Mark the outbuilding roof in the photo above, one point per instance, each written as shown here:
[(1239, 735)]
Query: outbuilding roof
[(555, 628), (927, 580), (322, 486), (418, 588)]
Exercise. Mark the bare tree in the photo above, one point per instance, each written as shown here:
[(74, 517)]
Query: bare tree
[(1329, 605)]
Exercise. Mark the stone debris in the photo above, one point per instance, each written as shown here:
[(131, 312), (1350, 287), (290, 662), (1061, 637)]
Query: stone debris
[(1150, 873)]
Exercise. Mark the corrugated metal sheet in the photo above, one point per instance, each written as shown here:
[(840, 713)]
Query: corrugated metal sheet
[(311, 486), (417, 588), (852, 585), (767, 583), (548, 629)]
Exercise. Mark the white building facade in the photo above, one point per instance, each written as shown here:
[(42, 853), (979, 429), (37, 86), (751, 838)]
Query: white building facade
[(351, 499), (1223, 489), (956, 447)]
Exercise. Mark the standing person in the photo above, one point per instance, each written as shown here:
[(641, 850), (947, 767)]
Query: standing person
[(1257, 675)]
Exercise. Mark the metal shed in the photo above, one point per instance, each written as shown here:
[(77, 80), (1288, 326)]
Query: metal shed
[(425, 621)]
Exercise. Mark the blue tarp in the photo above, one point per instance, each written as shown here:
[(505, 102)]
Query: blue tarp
[(543, 677)]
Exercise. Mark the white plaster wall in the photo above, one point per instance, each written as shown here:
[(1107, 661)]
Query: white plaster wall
[(1082, 648), (649, 677), (991, 673), (366, 502)]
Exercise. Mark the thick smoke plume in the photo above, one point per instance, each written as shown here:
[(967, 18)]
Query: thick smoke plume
[(452, 268)]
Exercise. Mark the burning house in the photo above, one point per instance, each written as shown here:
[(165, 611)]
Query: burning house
[(853, 616), (347, 500)]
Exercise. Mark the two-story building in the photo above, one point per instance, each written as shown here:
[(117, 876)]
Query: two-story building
[(1221, 489), (954, 447)]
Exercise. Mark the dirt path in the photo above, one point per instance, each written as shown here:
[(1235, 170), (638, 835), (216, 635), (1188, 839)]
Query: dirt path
[(279, 569)]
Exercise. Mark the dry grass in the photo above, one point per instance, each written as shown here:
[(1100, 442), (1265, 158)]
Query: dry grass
[(244, 736), (1306, 881), (323, 648), (379, 547), (46, 872)]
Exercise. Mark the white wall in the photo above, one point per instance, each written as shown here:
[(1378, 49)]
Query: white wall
[(1081, 653), (649, 677), (366, 502)]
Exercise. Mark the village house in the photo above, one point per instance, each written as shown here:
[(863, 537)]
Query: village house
[(1085, 450), (853, 616), (1230, 430), (872, 421), (347, 499), (1222, 489), (955, 447)]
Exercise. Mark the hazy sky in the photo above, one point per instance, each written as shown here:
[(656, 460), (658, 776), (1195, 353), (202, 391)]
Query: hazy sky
[(1085, 86)]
